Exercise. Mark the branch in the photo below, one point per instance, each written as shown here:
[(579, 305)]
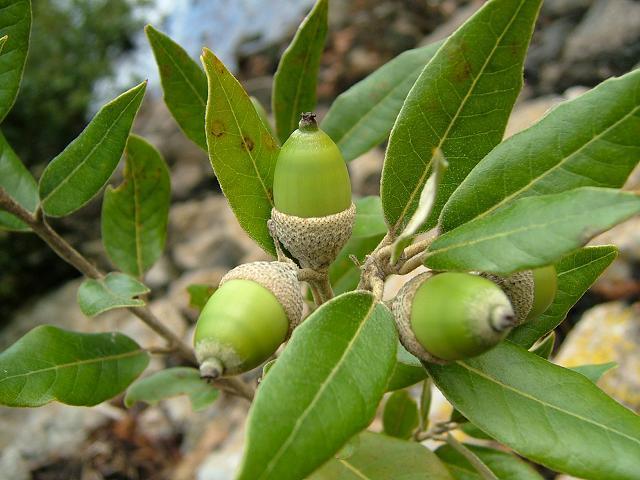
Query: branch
[(471, 457), (64, 250)]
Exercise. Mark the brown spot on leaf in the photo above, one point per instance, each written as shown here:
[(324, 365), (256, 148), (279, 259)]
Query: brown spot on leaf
[(268, 141), (247, 143), (217, 128)]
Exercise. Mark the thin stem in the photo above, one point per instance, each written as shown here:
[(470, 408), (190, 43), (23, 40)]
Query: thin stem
[(471, 457), (435, 431), (38, 224), (324, 287)]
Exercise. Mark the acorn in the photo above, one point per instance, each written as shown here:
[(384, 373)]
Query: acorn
[(313, 213), (519, 288), (253, 311), (545, 280), (451, 316)]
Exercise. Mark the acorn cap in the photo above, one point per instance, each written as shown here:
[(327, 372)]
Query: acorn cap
[(519, 288), (314, 241), (401, 308), (278, 277)]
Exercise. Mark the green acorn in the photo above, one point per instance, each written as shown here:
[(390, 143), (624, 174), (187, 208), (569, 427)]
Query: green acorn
[(519, 289), (451, 316), (545, 281), (253, 311), (313, 213)]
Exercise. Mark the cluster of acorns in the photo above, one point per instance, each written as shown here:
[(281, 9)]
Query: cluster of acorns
[(440, 316)]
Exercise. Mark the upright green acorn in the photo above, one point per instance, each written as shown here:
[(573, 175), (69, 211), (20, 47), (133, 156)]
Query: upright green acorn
[(451, 316), (253, 311), (313, 213)]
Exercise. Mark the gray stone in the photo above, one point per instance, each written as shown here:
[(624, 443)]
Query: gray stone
[(559, 8)]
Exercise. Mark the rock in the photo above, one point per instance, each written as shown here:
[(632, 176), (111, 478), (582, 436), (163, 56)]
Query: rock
[(546, 46), (30, 438), (609, 27), (365, 172), (208, 249), (457, 19), (160, 274), (559, 8), (608, 333), (529, 112)]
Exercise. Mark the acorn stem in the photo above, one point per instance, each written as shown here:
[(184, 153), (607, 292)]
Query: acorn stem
[(211, 368), (308, 122)]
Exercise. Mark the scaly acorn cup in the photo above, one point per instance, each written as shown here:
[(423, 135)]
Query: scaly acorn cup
[(545, 280), (450, 316), (313, 213), (519, 288), (254, 310)]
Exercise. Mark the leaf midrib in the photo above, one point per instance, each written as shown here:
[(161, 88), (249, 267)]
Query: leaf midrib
[(545, 404), (319, 393), (108, 358), (454, 119), (93, 149), (292, 116), (239, 129), (530, 226), (184, 76), (561, 163)]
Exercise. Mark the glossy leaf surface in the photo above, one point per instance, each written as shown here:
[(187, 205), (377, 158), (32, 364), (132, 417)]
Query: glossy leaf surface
[(18, 183), (400, 416), (362, 117), (184, 85), (15, 25), (50, 363), (505, 466), (379, 457), (242, 152), (590, 141), (136, 213), (324, 388), (171, 382), (523, 401), (77, 174), (115, 290), (460, 105), (532, 232), (295, 81)]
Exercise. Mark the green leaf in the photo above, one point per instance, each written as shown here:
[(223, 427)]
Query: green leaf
[(379, 457), (115, 290), (18, 183), (532, 232), (590, 141), (199, 294), (242, 152), (595, 371), (184, 85), (15, 23), (50, 363), (544, 348), (317, 394), (504, 465), (172, 382), (362, 117), (425, 206), (460, 104), (262, 113), (406, 372), (400, 416), (295, 81), (533, 401), (576, 273), (368, 229), (136, 213), (77, 174)]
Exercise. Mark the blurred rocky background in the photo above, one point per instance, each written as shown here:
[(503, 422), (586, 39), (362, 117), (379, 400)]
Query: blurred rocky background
[(83, 52)]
